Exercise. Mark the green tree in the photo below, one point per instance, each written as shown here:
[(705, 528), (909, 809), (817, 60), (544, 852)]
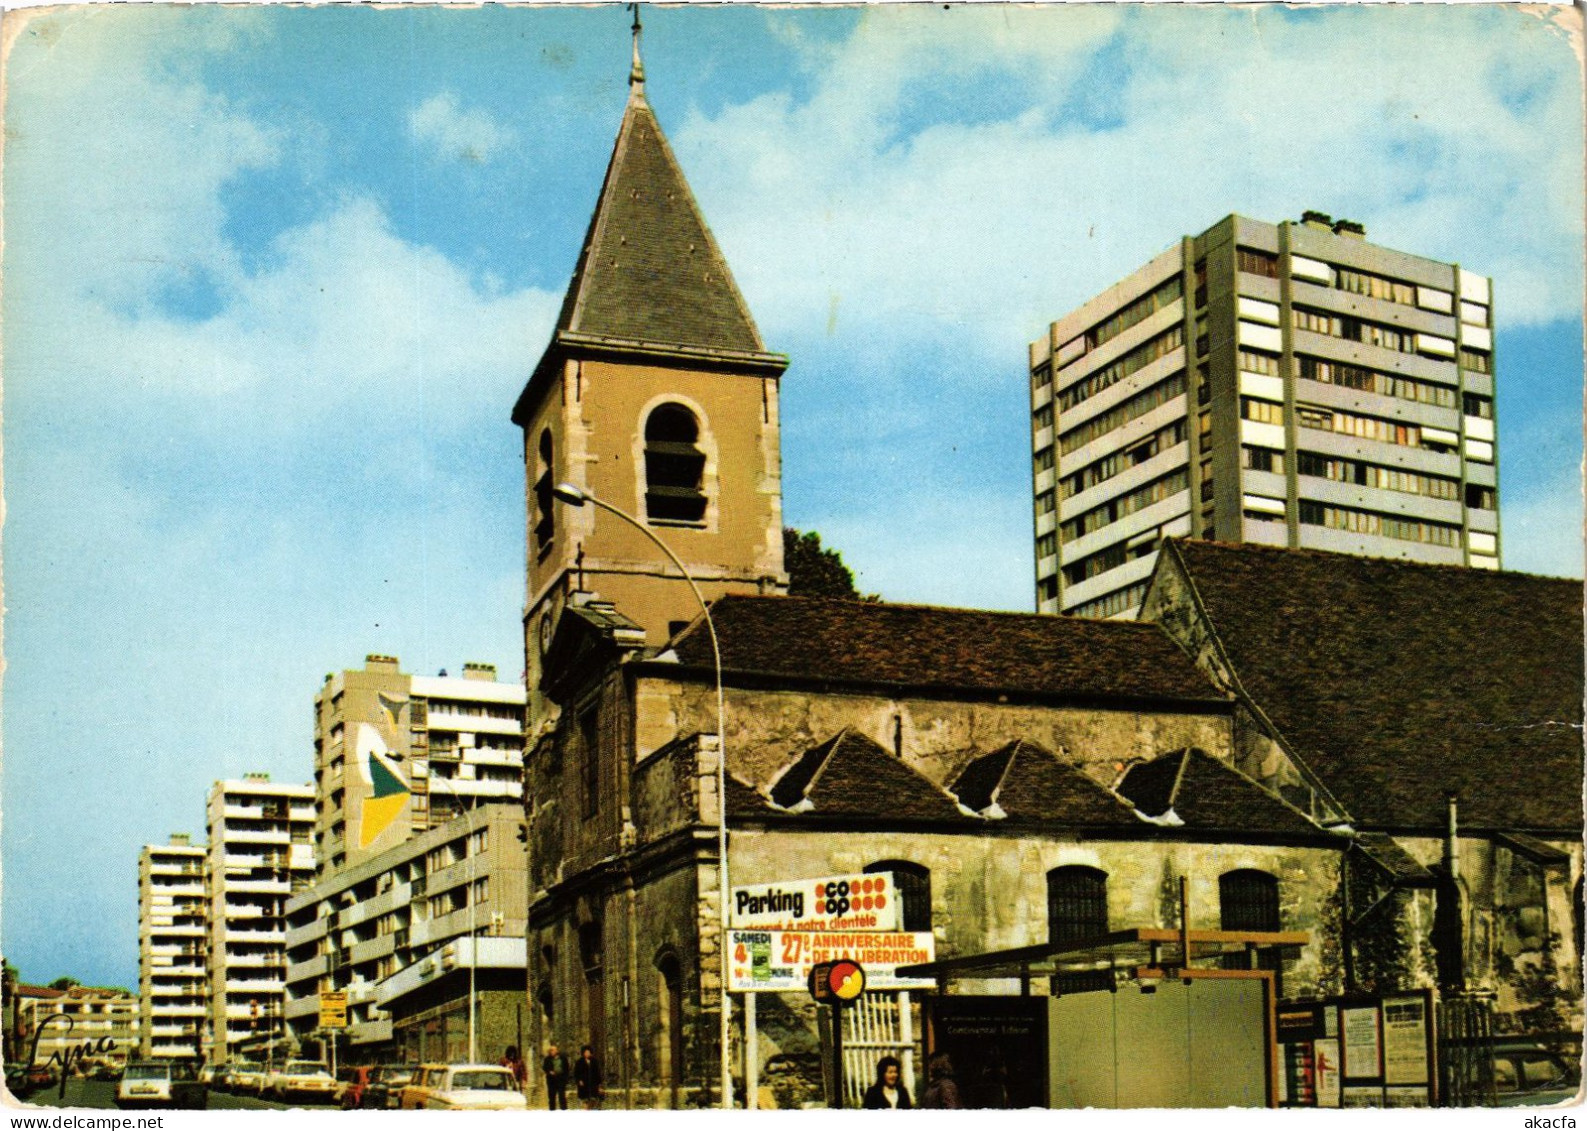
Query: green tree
[(814, 570), (64, 983)]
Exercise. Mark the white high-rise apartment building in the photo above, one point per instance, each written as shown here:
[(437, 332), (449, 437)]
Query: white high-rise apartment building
[(173, 979), (1288, 384), (381, 736), (261, 850)]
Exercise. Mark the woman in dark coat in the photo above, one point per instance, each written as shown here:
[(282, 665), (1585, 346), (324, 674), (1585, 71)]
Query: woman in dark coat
[(587, 1078), (889, 1090)]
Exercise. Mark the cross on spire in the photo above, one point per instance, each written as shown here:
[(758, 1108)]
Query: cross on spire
[(636, 74)]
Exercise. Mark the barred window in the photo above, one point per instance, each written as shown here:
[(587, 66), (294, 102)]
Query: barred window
[(1248, 901), (1077, 903), (913, 885)]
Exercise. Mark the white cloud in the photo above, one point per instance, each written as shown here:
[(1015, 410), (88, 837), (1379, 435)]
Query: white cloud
[(456, 133), (1452, 134)]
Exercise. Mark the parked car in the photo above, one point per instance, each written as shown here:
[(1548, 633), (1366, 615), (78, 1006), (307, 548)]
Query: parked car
[(1530, 1075), (350, 1085), (246, 1079), (302, 1080), (149, 1083), (24, 1080), (384, 1090), (473, 1087), (417, 1089)]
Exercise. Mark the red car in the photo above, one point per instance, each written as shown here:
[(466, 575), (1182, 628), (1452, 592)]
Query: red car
[(351, 1084)]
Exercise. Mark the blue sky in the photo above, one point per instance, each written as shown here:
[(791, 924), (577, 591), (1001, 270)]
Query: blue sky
[(274, 277)]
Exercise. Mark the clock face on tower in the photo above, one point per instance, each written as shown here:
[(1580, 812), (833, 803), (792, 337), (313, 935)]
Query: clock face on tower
[(545, 632)]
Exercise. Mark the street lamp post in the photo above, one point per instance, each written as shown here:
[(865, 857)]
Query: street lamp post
[(577, 497), (473, 918)]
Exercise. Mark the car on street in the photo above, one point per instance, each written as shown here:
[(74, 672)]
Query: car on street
[(150, 1083), (471, 1087), (246, 1079), (309, 1080), (417, 1089), (350, 1085), (1527, 1075), (384, 1090)]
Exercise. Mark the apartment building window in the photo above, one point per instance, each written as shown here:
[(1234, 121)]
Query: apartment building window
[(1112, 604), (1255, 361), (1384, 526), (1374, 286), (1353, 329), (1047, 588), (1477, 361), (481, 889), (1481, 498), (1045, 503), (1260, 411), (1473, 405), (1371, 475), (1366, 428), (1125, 505), (1041, 376), (1136, 312), (1200, 275), (1044, 460), (1254, 262), (1262, 459), (1042, 417), (1093, 564), (545, 505), (1370, 381), (1047, 545), (1205, 478), (674, 466), (1128, 365), (1138, 405), (1110, 465), (480, 841)]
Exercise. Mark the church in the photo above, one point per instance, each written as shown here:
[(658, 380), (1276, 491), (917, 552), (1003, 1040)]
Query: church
[(1373, 766)]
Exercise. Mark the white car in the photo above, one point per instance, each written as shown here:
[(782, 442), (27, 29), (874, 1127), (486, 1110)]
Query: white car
[(473, 1087), (302, 1080), (161, 1084)]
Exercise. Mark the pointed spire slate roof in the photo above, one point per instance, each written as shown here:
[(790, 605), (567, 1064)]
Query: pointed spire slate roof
[(650, 270), (650, 279)]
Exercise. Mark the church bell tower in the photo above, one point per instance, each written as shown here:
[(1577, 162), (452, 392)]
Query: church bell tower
[(656, 395)]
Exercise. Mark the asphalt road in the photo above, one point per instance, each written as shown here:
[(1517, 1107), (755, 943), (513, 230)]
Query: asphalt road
[(102, 1093)]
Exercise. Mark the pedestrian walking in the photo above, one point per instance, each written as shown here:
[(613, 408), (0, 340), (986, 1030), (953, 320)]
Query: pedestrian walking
[(941, 1090), (889, 1090), (555, 1067), (587, 1079), (512, 1062)]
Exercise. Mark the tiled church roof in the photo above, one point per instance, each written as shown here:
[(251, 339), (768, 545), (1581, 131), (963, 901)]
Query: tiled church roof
[(950, 651), (1027, 783), (1205, 795), (1399, 683), (849, 775)]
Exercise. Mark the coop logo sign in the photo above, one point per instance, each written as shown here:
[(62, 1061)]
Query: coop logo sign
[(828, 903)]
